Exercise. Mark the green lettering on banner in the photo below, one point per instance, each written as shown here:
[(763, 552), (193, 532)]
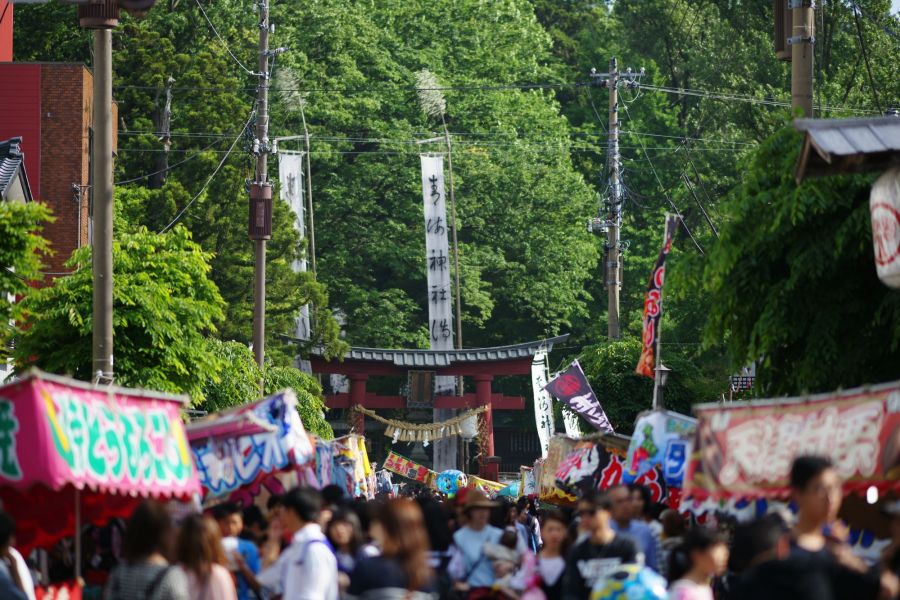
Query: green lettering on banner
[(9, 426), (96, 455)]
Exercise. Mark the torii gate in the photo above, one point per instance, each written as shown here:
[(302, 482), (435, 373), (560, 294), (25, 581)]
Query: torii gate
[(482, 364)]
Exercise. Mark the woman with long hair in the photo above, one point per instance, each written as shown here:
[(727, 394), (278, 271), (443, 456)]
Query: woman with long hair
[(402, 570), (145, 573), (693, 564), (202, 558), (344, 532)]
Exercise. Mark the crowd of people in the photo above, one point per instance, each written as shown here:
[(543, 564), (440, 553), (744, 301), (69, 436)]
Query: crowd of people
[(312, 545)]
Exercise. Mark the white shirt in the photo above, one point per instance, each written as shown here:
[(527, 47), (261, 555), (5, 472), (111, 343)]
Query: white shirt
[(24, 573), (306, 569)]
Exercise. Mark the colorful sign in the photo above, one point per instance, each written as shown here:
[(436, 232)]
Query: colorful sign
[(56, 432), (661, 440), (407, 468), (236, 448), (746, 449), (653, 304), (572, 388), (592, 466), (69, 590), (527, 483)]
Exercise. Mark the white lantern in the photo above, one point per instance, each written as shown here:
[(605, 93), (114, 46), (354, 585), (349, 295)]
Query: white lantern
[(884, 204)]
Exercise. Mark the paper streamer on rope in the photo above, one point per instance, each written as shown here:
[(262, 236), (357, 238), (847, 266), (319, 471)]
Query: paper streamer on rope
[(402, 431), (543, 402)]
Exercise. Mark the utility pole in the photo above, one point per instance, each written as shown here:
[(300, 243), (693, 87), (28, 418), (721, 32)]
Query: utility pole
[(611, 226), (802, 42), (260, 229)]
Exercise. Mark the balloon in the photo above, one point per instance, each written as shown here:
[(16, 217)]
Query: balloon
[(630, 582), (449, 481)]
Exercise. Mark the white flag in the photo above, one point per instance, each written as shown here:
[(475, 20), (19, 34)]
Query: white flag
[(290, 174), (543, 401)]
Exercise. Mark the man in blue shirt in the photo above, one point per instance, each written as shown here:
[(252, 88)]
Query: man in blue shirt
[(624, 523), (231, 523)]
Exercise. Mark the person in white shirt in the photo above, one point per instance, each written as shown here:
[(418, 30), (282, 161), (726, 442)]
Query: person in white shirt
[(307, 568)]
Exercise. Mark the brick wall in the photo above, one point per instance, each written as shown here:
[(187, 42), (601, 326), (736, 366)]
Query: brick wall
[(20, 114), (63, 155)]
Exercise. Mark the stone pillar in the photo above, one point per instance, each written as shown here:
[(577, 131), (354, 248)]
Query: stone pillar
[(490, 468), (358, 397)]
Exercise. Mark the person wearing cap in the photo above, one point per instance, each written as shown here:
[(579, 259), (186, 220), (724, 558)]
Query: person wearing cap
[(600, 554), (470, 567)]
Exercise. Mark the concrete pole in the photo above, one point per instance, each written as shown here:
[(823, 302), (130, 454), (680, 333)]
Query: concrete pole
[(802, 45), (613, 279), (102, 195), (262, 176)]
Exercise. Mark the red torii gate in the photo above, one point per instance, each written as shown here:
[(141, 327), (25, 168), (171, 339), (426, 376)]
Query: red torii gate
[(481, 364)]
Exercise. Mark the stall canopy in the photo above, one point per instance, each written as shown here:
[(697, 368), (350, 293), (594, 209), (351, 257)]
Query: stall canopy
[(745, 449), (67, 446), (239, 447)]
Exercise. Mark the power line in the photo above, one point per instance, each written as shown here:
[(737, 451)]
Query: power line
[(662, 188), (170, 167), (728, 97), (210, 178), (865, 53), (224, 43)]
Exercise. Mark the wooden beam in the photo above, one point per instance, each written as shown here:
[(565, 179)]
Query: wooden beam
[(376, 401)]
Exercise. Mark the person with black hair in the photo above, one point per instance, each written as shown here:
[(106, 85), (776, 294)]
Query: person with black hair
[(345, 534), (598, 555), (145, 573), (241, 555), (11, 584), (551, 561), (307, 568), (701, 556)]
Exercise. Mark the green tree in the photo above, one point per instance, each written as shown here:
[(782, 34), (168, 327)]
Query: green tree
[(237, 383), (21, 248), (791, 284), (164, 304)]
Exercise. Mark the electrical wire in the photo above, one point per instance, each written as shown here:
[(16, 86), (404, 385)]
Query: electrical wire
[(212, 175), (662, 188), (865, 53), (170, 167), (224, 43)]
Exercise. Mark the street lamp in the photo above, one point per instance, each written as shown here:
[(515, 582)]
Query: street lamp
[(659, 383)]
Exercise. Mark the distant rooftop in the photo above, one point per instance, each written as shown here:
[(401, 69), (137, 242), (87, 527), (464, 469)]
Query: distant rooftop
[(444, 358), (13, 182), (837, 146)]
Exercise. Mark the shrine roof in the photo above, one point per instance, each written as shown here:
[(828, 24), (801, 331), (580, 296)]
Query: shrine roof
[(444, 358)]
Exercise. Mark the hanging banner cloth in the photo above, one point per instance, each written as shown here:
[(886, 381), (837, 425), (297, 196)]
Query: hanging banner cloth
[(572, 388), (653, 305), (745, 449), (489, 487), (661, 440), (420, 432), (543, 402), (240, 446), (407, 468), (112, 445)]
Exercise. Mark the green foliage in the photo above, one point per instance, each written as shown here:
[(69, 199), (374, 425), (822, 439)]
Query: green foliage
[(792, 282), (164, 304), (237, 383), (21, 248), (624, 394)]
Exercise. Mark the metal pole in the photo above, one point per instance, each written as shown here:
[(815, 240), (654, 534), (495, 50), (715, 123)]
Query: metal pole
[(458, 299), (309, 200), (262, 134), (102, 192), (802, 40), (613, 279)]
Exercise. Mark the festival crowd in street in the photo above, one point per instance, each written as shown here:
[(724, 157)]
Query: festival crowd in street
[(312, 545)]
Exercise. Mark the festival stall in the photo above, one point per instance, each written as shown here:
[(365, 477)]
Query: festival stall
[(251, 452), (73, 453)]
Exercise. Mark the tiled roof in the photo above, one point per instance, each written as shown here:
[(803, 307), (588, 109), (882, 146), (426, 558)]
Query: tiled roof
[(834, 146), (11, 160), (444, 358)]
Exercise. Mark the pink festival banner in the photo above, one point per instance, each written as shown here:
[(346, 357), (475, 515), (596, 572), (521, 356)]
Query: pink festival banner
[(745, 449), (112, 444)]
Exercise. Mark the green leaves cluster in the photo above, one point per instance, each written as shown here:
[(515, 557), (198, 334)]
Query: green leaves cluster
[(21, 248)]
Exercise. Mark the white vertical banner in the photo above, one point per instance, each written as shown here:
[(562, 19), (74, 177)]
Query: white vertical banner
[(543, 401), (440, 296), (290, 174), (570, 421)]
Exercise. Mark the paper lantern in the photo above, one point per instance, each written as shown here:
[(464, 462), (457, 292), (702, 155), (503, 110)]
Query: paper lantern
[(884, 205), (469, 428)]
